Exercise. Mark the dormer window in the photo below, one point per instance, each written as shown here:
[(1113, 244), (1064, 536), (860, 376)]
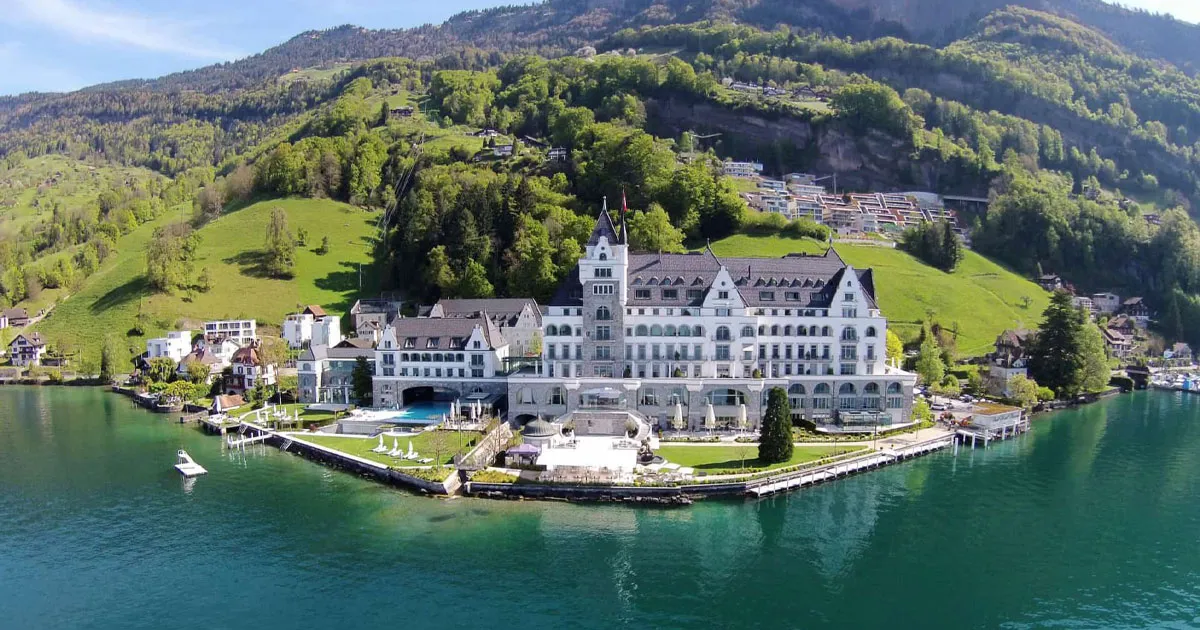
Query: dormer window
[(410, 342), (433, 342), (603, 256)]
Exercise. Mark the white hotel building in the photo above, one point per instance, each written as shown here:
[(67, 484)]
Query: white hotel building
[(652, 334)]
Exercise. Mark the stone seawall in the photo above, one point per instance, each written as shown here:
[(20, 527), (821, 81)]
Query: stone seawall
[(363, 467)]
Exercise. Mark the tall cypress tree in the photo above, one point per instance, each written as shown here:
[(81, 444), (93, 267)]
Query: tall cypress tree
[(1057, 358), (775, 445)]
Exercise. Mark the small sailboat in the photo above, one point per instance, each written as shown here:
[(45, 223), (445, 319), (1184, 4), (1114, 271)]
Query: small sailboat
[(187, 466)]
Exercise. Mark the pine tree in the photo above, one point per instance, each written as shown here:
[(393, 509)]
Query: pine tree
[(1056, 359), (775, 445), (360, 378), (929, 358)]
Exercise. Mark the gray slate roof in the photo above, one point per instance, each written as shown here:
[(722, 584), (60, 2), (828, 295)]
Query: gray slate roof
[(813, 277), (503, 311), (446, 330)]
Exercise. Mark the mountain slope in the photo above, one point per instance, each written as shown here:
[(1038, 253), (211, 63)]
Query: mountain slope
[(560, 26)]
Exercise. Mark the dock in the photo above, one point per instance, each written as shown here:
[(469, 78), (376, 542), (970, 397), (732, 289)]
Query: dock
[(187, 466), (837, 470)]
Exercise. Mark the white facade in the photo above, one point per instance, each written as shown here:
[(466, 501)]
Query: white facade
[(242, 331), (1107, 303), (298, 329), (647, 331), (743, 169), (327, 331), (174, 346), (455, 353)]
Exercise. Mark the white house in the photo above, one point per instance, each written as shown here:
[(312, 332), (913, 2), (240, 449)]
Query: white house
[(176, 345), (27, 350), (742, 169), (312, 326), (241, 331)]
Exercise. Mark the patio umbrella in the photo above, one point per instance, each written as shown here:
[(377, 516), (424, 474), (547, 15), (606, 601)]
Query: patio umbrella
[(380, 447), (710, 418), (395, 445), (741, 419), (677, 421), (410, 448)]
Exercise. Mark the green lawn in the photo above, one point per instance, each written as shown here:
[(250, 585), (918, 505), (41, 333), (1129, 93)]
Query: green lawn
[(29, 191), (731, 459), (109, 301), (981, 298), (422, 443)]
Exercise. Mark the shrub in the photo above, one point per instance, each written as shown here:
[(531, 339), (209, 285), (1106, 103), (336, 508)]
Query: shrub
[(493, 476)]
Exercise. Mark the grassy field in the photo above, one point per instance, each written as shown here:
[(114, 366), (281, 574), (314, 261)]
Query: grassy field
[(980, 299), (422, 444), (721, 459), (231, 250), (30, 190)]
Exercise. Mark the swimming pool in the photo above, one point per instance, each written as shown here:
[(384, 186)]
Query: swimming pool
[(420, 413)]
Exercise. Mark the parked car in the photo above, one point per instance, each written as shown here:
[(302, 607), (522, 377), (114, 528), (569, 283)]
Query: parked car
[(938, 407)]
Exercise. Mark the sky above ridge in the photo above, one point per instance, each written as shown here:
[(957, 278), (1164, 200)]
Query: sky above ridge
[(59, 45)]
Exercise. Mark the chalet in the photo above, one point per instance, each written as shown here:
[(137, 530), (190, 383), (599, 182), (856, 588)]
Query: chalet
[(17, 317), (557, 154), (1010, 358), (1118, 343), (402, 112), (503, 150), (1136, 308), (249, 369), (487, 133), (27, 350), (1050, 282), (1123, 324)]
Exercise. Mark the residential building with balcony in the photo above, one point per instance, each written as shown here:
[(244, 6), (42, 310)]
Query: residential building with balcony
[(243, 332)]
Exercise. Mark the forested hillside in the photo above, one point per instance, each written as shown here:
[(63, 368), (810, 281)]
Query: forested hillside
[(1073, 135)]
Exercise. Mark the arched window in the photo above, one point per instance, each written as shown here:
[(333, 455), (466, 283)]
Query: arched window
[(722, 333), (825, 331), (775, 331), (846, 388), (870, 331), (893, 388), (642, 331), (822, 389), (698, 331), (846, 397), (787, 331), (603, 314), (603, 256), (655, 330), (762, 330), (802, 331), (685, 331), (669, 331), (796, 396), (871, 396), (557, 397), (551, 330), (747, 331), (796, 390), (812, 331), (871, 389)]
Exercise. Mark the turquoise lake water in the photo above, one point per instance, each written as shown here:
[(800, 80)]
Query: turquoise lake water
[(1092, 520)]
